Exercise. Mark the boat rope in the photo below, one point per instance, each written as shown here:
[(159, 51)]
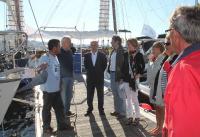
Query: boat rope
[(155, 12), (122, 10), (81, 11), (127, 18), (36, 22), (76, 111), (141, 9), (3, 131), (47, 15), (5, 16), (53, 12)]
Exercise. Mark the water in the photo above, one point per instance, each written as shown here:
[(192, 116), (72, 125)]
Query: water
[(19, 120)]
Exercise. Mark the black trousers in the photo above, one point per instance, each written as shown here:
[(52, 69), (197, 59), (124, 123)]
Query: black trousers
[(90, 95), (53, 100)]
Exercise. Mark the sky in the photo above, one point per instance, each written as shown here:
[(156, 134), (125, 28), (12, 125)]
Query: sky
[(84, 14)]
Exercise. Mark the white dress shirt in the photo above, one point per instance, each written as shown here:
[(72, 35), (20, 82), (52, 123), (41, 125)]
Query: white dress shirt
[(113, 61), (94, 58)]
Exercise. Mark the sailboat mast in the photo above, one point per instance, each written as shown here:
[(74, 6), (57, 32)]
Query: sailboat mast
[(196, 2), (114, 17)]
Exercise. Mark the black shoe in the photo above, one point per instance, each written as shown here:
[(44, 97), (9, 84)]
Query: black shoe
[(136, 122), (120, 116), (69, 113), (114, 114), (88, 113), (129, 121), (66, 128), (102, 113), (48, 130)]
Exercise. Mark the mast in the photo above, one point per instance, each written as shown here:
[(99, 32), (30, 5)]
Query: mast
[(15, 15), (196, 2), (114, 16), (104, 15)]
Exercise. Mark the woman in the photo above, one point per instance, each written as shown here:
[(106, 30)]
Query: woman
[(162, 81), (132, 68), (156, 61)]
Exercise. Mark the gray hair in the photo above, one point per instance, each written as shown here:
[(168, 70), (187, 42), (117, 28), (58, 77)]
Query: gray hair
[(65, 38), (186, 21)]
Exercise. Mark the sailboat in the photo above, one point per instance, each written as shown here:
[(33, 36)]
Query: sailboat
[(12, 51)]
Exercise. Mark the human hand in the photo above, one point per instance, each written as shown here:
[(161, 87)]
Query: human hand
[(151, 57), (43, 66)]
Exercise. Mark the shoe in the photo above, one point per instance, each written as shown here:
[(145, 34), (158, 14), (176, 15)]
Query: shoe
[(130, 121), (88, 113), (69, 113), (66, 128), (102, 113), (48, 130), (114, 113), (120, 116), (136, 122)]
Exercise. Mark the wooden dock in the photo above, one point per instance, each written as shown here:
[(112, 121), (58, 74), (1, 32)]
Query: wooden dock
[(96, 125)]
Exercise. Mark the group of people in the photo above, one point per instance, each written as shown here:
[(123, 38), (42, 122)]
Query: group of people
[(173, 75), (57, 90), (125, 68)]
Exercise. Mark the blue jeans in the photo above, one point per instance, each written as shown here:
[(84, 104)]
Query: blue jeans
[(119, 104), (66, 92)]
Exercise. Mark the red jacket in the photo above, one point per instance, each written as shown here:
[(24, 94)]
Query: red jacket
[(182, 98)]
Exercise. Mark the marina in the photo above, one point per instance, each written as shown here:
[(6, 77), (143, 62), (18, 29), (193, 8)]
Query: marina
[(21, 46)]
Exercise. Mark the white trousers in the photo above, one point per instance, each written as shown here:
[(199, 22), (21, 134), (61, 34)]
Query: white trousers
[(131, 98)]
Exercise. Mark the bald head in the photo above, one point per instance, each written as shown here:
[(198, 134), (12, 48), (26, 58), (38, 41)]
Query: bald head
[(66, 43), (94, 46)]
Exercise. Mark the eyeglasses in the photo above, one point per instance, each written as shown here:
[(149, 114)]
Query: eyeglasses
[(168, 30)]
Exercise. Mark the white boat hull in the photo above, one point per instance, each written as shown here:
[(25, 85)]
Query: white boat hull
[(7, 91)]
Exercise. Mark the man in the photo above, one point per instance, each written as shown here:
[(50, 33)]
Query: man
[(51, 94), (182, 97), (66, 64), (95, 64), (115, 66)]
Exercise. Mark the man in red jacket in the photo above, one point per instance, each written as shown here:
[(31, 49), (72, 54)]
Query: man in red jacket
[(182, 97)]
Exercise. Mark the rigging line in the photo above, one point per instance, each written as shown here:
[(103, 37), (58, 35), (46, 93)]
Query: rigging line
[(152, 9), (141, 11), (117, 14), (5, 16), (46, 17), (53, 12), (81, 11), (126, 14), (163, 8), (36, 22), (122, 10)]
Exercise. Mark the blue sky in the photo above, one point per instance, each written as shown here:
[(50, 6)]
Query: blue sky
[(84, 13)]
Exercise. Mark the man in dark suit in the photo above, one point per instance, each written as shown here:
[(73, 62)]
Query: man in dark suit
[(95, 64)]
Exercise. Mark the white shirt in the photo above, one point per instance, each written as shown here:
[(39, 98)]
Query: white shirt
[(94, 57), (113, 61), (53, 80)]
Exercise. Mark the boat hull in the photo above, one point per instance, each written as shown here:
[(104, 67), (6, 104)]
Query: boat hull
[(7, 91)]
